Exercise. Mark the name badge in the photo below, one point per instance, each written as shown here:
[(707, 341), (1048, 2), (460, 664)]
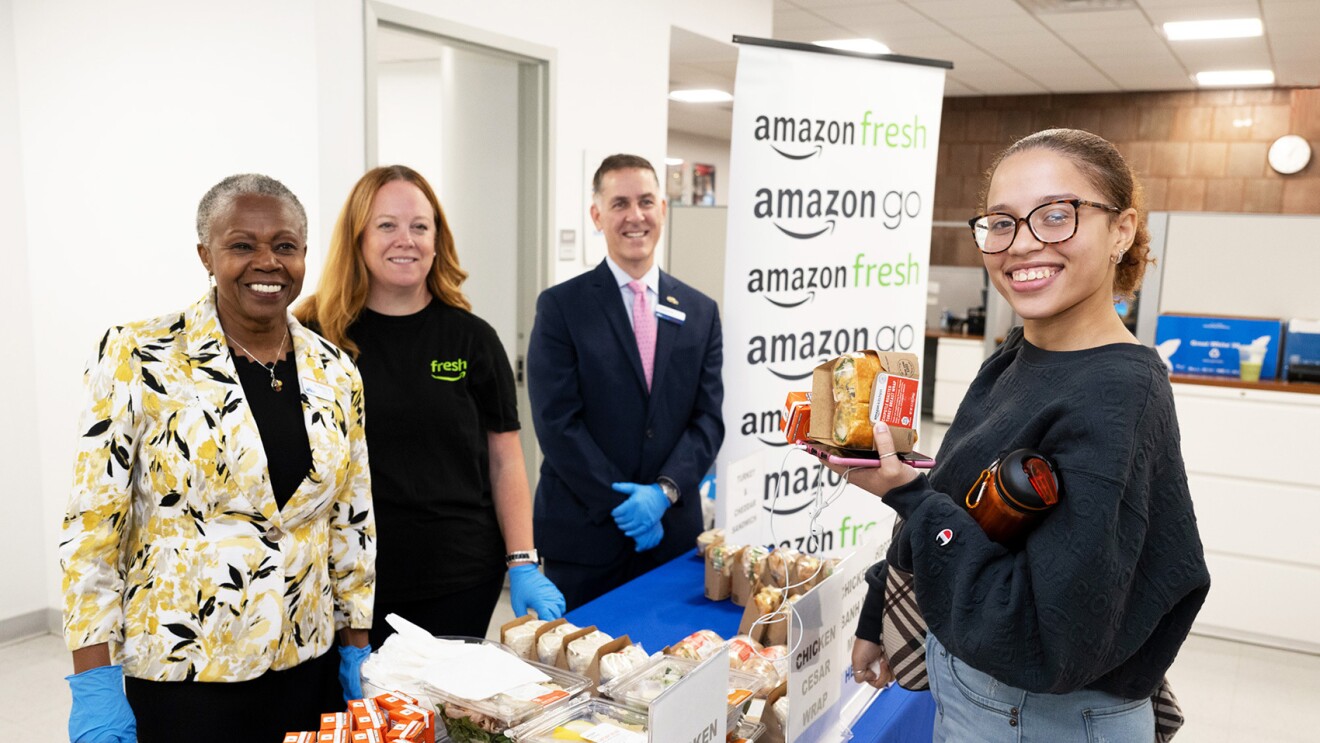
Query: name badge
[(675, 316), (318, 390)]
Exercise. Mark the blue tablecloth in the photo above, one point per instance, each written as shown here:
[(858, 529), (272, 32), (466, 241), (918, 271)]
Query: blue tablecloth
[(667, 604)]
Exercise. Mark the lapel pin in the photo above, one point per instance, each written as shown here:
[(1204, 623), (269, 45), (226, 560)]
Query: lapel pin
[(670, 299)]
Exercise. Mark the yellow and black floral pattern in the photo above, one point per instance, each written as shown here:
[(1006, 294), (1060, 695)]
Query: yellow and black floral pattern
[(174, 550)]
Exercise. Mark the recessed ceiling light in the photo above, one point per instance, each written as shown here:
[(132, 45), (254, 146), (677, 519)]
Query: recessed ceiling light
[(1233, 78), (673, 161), (1228, 28), (865, 46), (700, 95)]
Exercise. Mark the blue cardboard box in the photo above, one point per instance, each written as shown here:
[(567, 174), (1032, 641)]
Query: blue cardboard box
[(1192, 344), (1301, 345)]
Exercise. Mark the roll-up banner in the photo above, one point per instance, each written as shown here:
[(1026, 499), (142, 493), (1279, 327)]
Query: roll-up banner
[(831, 187)]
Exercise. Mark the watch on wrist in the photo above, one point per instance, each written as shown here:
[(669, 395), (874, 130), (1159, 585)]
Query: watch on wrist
[(670, 490), (522, 556)]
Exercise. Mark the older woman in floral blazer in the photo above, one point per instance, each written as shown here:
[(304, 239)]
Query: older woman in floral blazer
[(219, 532)]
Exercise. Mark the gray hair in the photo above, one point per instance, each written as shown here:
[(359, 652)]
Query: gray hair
[(222, 195)]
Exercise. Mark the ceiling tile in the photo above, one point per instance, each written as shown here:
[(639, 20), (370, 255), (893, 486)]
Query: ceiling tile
[(1204, 11), (997, 47), (870, 14), (954, 88), (828, 4), (969, 8), (1129, 18), (1223, 54)]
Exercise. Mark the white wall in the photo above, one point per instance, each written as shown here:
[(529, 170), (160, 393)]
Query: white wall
[(128, 112), (611, 80), (694, 148), (23, 582), (455, 120)]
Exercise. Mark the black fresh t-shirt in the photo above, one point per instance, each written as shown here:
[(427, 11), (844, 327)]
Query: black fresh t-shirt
[(435, 384)]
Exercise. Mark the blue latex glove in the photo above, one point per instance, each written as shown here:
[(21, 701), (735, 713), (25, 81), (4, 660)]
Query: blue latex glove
[(100, 712), (643, 509), (649, 539), (710, 491), (350, 670), (529, 589)]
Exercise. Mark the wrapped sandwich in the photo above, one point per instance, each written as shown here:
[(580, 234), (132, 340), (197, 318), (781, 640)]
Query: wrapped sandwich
[(519, 639), (547, 647), (699, 645), (742, 648), (778, 567), (852, 425), (618, 663), (706, 538), (768, 600), (806, 573), (854, 375), (582, 650), (750, 560)]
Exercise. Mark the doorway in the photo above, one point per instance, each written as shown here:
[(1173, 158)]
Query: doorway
[(471, 112)]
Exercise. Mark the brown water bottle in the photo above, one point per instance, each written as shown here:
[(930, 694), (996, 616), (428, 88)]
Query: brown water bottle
[(1013, 494)]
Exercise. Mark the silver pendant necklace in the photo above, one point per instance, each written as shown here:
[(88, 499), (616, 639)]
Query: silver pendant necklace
[(275, 384)]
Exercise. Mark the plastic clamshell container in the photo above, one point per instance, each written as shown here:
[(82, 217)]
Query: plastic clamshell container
[(508, 709), (641, 685), (580, 716), (747, 731)]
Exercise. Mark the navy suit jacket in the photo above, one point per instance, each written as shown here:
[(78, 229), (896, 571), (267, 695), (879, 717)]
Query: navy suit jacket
[(598, 425)]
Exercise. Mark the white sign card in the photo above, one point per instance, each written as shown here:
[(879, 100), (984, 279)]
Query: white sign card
[(697, 707), (831, 192), (815, 660), (742, 501)]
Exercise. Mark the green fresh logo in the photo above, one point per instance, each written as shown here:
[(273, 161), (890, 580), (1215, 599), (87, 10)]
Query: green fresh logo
[(449, 371)]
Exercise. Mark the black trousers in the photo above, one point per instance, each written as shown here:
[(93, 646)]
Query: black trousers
[(262, 709), (463, 613), (582, 583)]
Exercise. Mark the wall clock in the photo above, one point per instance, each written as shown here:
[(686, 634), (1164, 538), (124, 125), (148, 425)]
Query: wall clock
[(1289, 154)]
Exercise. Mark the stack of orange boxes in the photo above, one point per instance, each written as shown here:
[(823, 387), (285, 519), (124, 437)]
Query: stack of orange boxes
[(796, 420), (389, 718)]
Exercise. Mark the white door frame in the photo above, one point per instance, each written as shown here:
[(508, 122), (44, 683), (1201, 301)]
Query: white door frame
[(536, 88)]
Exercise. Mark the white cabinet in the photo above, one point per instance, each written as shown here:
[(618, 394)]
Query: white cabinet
[(1253, 466), (956, 362)]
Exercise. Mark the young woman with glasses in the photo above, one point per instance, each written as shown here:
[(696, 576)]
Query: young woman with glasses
[(1067, 637)]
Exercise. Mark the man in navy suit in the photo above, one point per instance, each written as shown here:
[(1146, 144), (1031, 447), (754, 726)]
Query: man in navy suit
[(624, 376)]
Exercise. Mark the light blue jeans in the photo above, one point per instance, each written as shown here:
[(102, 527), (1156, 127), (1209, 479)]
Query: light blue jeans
[(973, 706)]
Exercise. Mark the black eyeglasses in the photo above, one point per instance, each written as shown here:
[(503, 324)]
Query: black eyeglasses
[(1051, 222)]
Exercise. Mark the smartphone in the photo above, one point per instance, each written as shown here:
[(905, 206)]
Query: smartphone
[(854, 458)]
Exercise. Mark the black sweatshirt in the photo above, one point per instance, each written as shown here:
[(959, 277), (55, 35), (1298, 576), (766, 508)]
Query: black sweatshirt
[(1105, 589)]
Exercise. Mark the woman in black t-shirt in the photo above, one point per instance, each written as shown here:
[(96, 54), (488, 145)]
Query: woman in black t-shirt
[(453, 507)]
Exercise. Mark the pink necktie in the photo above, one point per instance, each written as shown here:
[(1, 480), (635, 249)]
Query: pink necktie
[(643, 328)]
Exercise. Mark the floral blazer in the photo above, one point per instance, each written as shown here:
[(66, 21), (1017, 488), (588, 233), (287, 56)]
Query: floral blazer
[(174, 550)]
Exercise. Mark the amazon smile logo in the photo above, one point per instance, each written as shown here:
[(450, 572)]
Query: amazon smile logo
[(812, 212), (448, 371), (803, 137)]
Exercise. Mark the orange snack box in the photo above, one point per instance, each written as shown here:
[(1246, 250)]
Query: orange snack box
[(394, 700), (796, 422), (411, 712), (332, 720), (366, 736), (412, 731), (338, 735), (303, 737), (366, 715)]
